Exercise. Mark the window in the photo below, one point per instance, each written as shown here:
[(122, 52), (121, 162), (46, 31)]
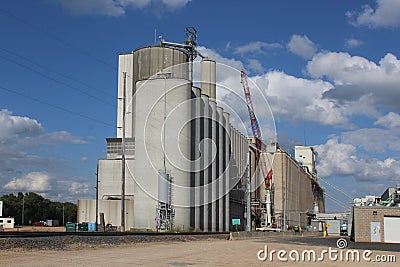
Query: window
[(8, 221)]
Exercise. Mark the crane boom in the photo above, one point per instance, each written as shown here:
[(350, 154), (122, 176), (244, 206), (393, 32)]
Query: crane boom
[(256, 131)]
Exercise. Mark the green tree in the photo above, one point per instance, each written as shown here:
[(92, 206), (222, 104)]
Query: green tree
[(36, 208)]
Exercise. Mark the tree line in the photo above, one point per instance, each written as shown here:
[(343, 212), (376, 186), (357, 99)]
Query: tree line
[(31, 207)]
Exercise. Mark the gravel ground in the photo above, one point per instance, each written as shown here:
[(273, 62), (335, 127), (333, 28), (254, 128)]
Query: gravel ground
[(79, 242)]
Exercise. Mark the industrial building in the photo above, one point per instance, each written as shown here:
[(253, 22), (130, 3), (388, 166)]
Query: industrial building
[(185, 163), (377, 219), (296, 193), (182, 154)]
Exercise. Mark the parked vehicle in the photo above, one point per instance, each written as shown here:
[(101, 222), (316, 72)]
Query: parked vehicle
[(39, 223)]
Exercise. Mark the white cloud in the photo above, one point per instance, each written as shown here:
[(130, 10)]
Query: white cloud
[(32, 182), (255, 65), (351, 43), (284, 90), (386, 14), (390, 120), (355, 77), (17, 126), (115, 8), (78, 188), (340, 159), (175, 4), (373, 139), (302, 46), (256, 47), (20, 136)]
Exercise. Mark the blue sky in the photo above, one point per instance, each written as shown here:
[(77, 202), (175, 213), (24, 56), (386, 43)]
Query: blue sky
[(329, 70)]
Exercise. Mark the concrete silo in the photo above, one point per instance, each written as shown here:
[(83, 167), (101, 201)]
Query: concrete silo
[(179, 146)]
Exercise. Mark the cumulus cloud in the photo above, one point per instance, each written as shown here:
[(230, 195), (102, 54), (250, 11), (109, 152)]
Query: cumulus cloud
[(355, 77), (302, 46), (20, 138), (17, 126), (351, 43), (341, 159), (256, 47), (284, 90), (386, 14), (373, 139), (115, 8), (390, 120), (32, 182)]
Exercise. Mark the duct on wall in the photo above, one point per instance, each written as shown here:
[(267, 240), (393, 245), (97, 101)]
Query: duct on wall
[(220, 173), (226, 169), (214, 166)]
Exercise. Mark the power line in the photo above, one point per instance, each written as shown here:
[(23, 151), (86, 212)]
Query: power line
[(55, 106), (55, 71), (337, 188), (340, 203), (55, 37), (57, 81)]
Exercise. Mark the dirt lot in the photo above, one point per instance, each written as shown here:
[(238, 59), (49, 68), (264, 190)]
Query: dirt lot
[(35, 229), (193, 253)]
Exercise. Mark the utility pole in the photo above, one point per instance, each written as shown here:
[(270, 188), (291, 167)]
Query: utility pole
[(23, 209), (248, 192), (123, 159), (97, 197)]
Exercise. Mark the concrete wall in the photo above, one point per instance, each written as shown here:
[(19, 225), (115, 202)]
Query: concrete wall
[(300, 188), (362, 218), (289, 179), (110, 208)]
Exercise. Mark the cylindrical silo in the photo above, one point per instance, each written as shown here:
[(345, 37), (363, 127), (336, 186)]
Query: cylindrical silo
[(162, 115), (196, 109), (151, 60), (204, 163), (208, 78)]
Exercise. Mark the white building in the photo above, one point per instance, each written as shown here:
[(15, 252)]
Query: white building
[(305, 156), (5, 222)]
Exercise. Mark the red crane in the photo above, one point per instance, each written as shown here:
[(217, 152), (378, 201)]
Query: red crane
[(256, 132)]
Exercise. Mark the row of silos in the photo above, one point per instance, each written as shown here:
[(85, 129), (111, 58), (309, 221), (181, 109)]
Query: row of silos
[(178, 129)]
